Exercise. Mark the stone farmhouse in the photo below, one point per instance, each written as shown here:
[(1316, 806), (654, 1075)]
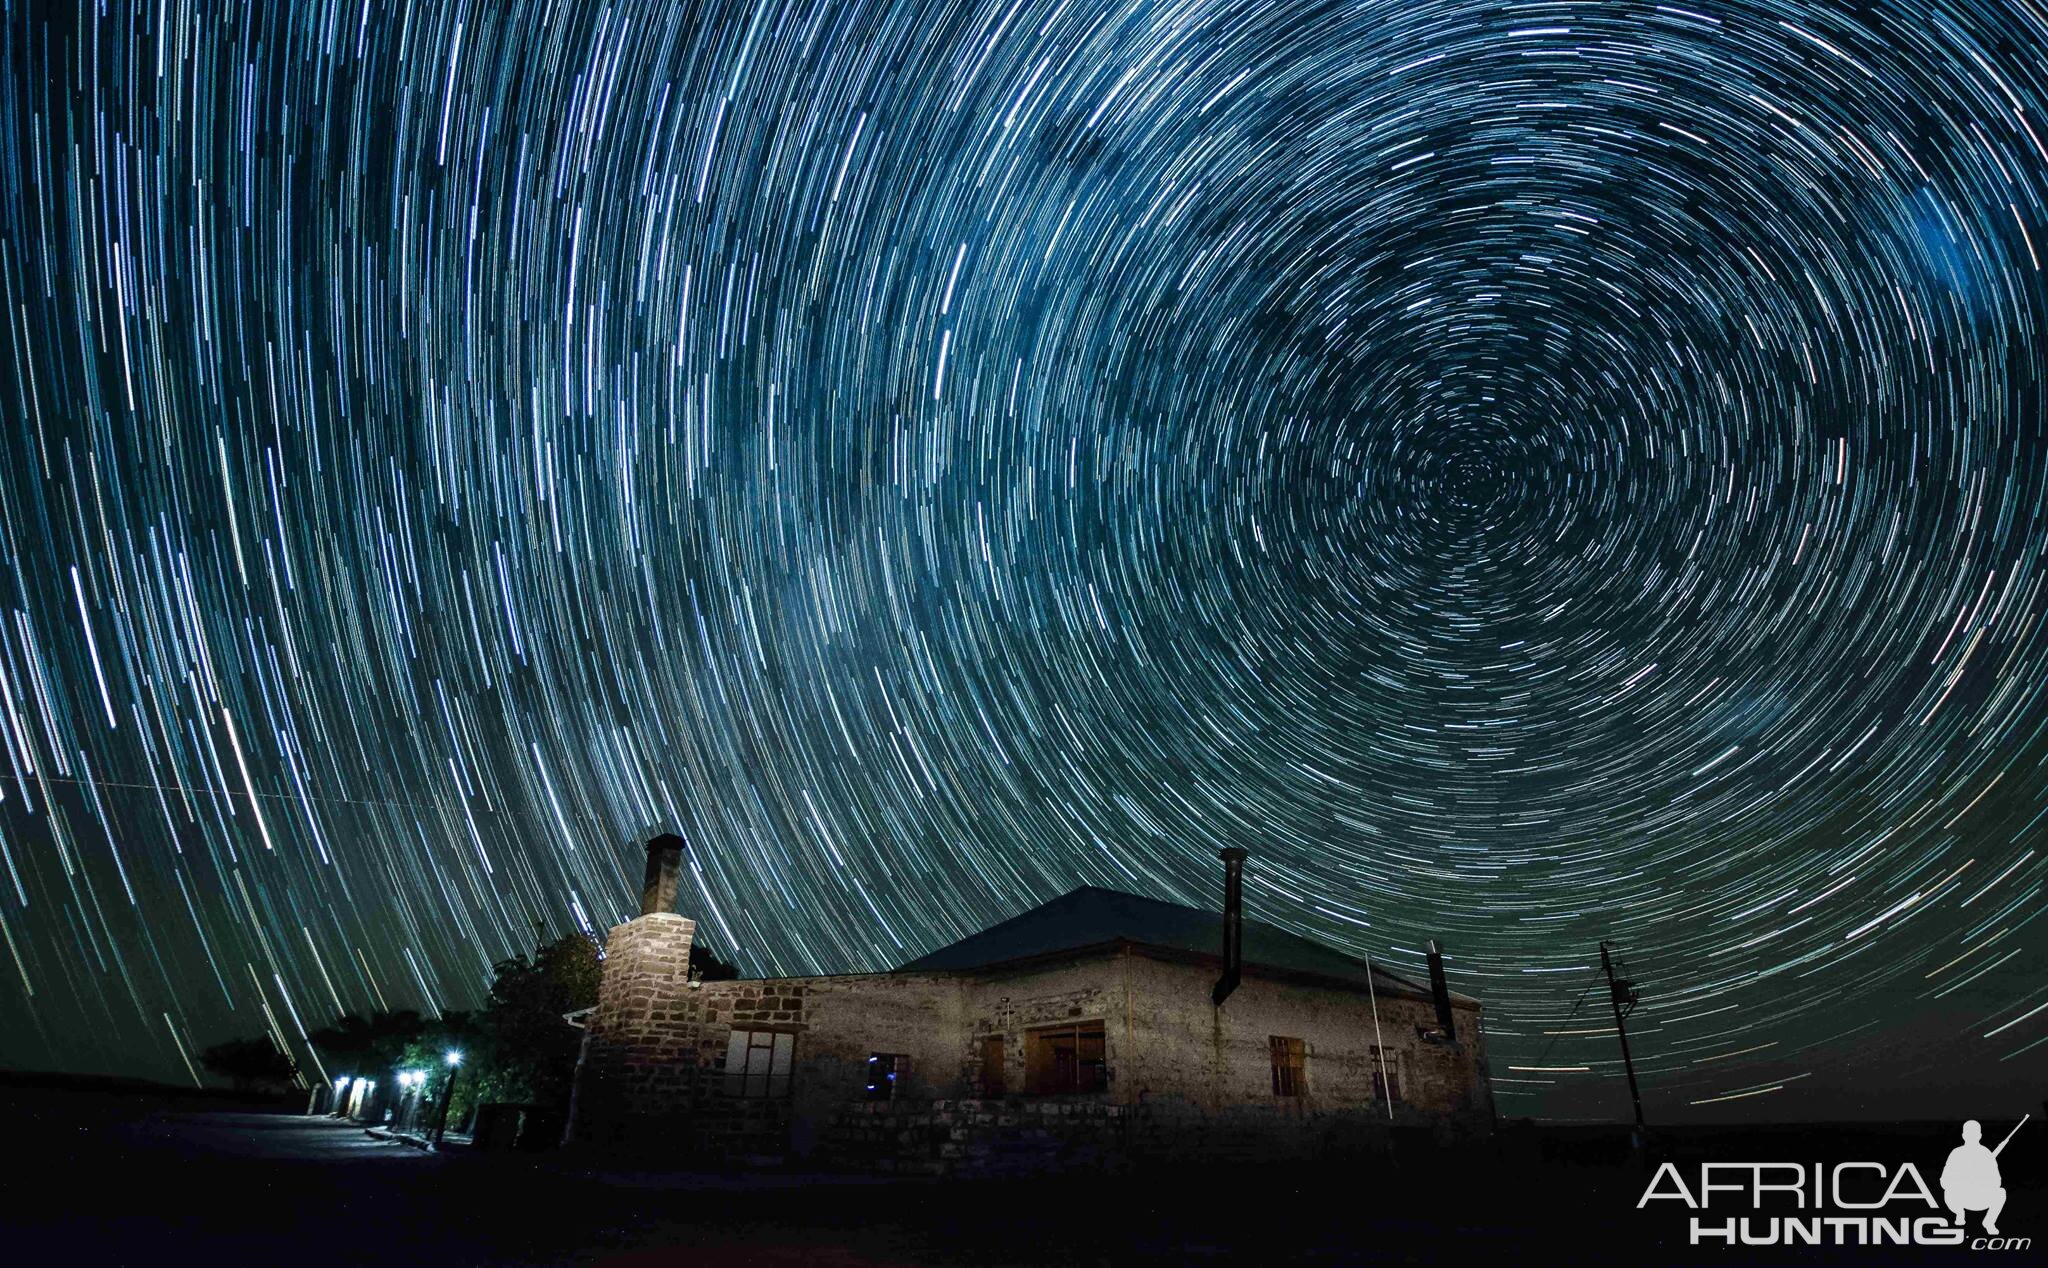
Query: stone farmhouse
[(1100, 1030)]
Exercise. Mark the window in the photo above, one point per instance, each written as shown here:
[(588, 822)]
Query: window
[(992, 1081), (1066, 1059), (1290, 1058), (757, 1062), (885, 1069), (1386, 1076)]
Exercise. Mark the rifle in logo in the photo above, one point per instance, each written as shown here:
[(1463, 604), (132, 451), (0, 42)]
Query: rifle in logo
[(2009, 1135)]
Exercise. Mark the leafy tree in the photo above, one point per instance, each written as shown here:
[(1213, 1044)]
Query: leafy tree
[(251, 1064), (370, 1046), (381, 1045), (517, 1047), (523, 1050), (460, 1033), (527, 1051)]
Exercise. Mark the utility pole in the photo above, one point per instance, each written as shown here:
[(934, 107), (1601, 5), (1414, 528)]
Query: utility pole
[(1622, 994)]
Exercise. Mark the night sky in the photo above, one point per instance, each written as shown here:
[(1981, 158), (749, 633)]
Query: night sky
[(1530, 473)]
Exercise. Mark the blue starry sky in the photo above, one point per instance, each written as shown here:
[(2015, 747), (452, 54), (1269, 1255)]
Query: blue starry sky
[(1529, 472)]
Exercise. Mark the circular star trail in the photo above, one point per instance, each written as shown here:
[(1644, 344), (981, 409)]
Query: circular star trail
[(1531, 473)]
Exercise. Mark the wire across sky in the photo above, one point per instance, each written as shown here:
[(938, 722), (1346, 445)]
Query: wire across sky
[(1529, 472)]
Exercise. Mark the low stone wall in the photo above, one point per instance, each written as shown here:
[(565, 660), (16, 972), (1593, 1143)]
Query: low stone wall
[(1026, 1136), (1034, 1136)]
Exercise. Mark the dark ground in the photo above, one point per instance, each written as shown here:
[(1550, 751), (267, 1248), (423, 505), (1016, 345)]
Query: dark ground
[(120, 1177)]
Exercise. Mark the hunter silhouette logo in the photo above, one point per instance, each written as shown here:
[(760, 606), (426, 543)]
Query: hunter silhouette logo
[(1970, 1181), (1854, 1203)]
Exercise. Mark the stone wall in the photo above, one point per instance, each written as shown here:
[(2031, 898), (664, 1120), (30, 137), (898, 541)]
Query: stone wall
[(1187, 1080), (652, 1079), (1012, 1003), (917, 1016), (1201, 1061), (1028, 1135), (639, 1066), (1010, 1136)]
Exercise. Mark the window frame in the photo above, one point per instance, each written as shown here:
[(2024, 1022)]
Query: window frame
[(1042, 1058), (994, 1078), (1385, 1077), (891, 1074), (766, 1061), (1289, 1058)]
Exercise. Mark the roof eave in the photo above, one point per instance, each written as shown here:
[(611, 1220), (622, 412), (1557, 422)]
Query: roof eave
[(1182, 955)]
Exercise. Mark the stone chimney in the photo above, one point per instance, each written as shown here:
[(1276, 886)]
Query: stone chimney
[(639, 1037), (664, 875)]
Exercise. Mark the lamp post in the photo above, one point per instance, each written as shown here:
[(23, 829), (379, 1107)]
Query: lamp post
[(414, 1086), (447, 1093)]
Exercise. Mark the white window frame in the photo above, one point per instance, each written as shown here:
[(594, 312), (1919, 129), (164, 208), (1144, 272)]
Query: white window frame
[(758, 1062)]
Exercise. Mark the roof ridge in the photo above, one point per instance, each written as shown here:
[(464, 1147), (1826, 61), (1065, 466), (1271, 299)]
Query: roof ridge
[(1090, 915), (1249, 919)]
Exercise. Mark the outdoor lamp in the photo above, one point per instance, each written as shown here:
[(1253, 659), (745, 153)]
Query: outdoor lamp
[(447, 1094)]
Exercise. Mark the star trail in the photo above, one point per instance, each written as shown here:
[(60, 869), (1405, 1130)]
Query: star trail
[(1529, 472)]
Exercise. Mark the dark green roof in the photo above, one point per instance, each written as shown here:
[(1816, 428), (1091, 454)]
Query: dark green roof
[(1090, 917)]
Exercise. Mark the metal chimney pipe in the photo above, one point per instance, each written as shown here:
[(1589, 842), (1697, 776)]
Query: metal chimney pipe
[(1233, 924), (664, 875), (1441, 990)]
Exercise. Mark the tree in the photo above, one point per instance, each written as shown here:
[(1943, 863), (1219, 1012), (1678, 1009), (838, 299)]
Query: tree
[(251, 1065), (516, 1048), (465, 1035), (708, 967), (369, 1046), (380, 1046), (526, 1051)]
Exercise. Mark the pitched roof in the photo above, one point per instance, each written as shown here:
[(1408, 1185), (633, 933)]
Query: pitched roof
[(1089, 917)]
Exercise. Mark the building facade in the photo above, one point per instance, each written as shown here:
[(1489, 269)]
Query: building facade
[(1095, 1031)]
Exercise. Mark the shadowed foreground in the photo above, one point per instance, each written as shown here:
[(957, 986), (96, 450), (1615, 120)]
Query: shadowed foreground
[(130, 1180)]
